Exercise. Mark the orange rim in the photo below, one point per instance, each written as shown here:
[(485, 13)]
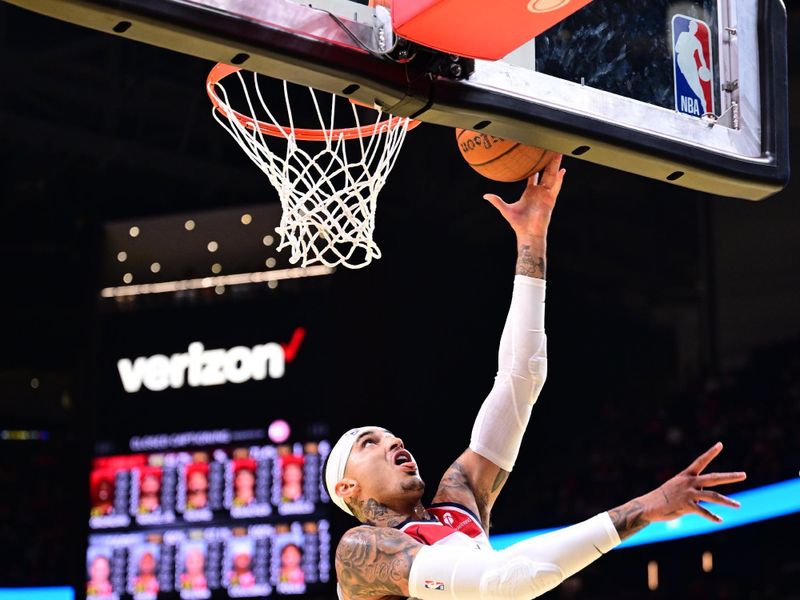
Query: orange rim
[(221, 70)]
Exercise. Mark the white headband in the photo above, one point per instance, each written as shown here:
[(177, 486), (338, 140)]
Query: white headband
[(337, 461)]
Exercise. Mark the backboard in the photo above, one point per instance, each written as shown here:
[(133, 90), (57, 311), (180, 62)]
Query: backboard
[(690, 92)]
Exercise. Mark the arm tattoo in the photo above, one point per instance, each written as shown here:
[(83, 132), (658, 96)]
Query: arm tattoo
[(666, 499), (455, 485), (374, 562), (529, 264), (628, 518), (499, 480), (454, 480)]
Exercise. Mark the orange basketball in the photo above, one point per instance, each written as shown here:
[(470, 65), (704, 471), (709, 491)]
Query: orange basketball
[(500, 159)]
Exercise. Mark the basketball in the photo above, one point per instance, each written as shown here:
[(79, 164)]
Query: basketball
[(704, 73), (500, 159)]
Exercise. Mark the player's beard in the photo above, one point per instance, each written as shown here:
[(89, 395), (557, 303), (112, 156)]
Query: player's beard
[(413, 484)]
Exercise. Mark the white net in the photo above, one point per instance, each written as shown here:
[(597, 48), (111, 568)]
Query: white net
[(328, 188)]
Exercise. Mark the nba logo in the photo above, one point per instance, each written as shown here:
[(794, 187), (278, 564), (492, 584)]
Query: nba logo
[(693, 66), (434, 585)]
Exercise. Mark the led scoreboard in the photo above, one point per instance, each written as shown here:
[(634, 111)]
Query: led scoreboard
[(208, 514)]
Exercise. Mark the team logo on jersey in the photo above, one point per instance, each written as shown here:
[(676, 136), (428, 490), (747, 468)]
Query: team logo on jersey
[(693, 66), (448, 519), (434, 585)]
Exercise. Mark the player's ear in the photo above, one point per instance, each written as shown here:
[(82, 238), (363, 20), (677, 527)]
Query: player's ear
[(346, 488)]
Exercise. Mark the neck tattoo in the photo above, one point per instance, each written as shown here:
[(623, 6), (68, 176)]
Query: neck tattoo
[(372, 512)]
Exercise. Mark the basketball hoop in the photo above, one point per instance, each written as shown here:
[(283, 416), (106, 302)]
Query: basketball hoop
[(328, 194)]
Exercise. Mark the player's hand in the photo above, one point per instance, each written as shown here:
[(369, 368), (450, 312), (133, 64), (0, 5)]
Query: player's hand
[(683, 493), (530, 215)]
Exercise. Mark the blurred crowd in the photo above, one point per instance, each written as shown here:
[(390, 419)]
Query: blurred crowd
[(38, 525), (628, 445)]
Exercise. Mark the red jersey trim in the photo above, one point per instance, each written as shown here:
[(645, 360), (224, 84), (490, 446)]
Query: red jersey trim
[(451, 518), (460, 507)]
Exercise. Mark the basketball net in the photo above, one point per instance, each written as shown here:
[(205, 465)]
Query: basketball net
[(327, 189)]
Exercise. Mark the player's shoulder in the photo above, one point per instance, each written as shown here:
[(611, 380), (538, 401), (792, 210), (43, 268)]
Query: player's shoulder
[(374, 563), (357, 535), (366, 536)]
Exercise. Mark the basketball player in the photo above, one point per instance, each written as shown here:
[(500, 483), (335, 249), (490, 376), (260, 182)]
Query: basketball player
[(442, 552)]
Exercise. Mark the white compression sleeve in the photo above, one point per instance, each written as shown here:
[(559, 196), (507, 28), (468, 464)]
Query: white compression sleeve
[(520, 572), (522, 370)]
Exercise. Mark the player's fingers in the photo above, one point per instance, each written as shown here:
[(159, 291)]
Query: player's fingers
[(556, 189), (496, 201), (716, 498), (704, 512), (712, 479), (531, 186), (550, 174), (701, 462)]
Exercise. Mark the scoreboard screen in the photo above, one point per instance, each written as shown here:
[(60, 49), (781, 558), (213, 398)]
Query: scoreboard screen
[(196, 515)]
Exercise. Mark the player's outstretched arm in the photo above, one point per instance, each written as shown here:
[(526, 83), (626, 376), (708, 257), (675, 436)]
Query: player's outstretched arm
[(373, 562), (677, 497), (529, 217), (477, 477)]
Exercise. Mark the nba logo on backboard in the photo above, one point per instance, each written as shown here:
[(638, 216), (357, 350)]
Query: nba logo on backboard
[(693, 66)]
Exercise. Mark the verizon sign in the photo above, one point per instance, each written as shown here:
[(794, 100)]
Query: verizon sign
[(206, 367)]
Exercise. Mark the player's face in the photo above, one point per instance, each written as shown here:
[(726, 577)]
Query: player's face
[(104, 491), (241, 561), (384, 469), (150, 484), (197, 482), (197, 489), (195, 561), (290, 557), (147, 564), (243, 483), (100, 569), (292, 473)]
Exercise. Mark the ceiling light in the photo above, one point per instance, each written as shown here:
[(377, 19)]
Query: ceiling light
[(122, 256), (189, 225), (212, 246), (279, 431), (127, 278), (133, 231), (246, 219), (209, 282)]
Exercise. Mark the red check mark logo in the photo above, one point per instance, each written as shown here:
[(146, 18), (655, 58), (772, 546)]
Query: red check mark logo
[(290, 349)]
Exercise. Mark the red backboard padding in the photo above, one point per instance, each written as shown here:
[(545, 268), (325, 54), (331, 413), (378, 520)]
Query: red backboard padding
[(476, 28)]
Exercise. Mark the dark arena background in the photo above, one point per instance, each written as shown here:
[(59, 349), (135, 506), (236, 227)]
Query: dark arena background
[(673, 321)]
